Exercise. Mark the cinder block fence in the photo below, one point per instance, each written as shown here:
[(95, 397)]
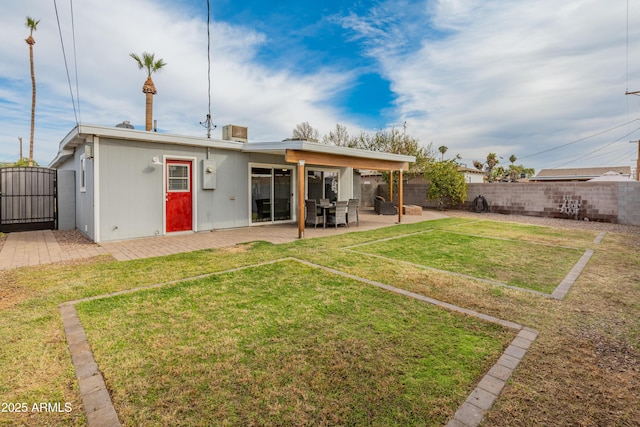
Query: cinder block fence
[(615, 202)]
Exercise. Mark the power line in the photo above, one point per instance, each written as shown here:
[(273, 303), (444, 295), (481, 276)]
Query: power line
[(579, 140), (598, 149), (64, 55), (208, 123), (75, 58)]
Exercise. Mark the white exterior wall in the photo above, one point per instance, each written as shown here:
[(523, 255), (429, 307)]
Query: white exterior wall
[(84, 213), (132, 188)]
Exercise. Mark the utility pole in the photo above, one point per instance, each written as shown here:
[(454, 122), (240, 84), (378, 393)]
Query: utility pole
[(20, 139), (637, 93), (638, 163)]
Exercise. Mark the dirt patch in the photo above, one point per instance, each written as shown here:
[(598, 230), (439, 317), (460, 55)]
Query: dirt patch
[(72, 239), (10, 293)]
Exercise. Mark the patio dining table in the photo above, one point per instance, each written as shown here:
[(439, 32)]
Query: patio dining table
[(325, 207)]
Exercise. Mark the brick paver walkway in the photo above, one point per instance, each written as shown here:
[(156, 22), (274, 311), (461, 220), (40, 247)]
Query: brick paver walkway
[(31, 248)]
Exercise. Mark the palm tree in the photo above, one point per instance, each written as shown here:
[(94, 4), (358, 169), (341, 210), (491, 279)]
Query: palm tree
[(149, 63), (513, 170), (442, 149), (492, 161), (32, 25)]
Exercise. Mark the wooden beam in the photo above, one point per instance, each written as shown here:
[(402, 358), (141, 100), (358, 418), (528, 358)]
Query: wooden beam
[(325, 159), (301, 207), (400, 196)]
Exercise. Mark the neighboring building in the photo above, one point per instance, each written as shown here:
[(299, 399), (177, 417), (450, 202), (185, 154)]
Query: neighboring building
[(578, 174), (472, 175), (131, 184)]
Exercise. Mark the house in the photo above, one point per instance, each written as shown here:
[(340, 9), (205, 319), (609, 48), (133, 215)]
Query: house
[(122, 183), (472, 175), (578, 174)]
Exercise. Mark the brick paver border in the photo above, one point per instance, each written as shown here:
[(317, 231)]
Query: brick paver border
[(100, 411)]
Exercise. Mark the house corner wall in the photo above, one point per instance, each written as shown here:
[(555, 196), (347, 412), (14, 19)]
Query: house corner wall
[(66, 199)]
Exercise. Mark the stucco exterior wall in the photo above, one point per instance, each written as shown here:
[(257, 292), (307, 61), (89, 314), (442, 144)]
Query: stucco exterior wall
[(131, 188), (66, 199), (83, 203)]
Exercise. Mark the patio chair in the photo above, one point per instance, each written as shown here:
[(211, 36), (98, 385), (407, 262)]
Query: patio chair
[(352, 211), (340, 216), (383, 207), (311, 214)]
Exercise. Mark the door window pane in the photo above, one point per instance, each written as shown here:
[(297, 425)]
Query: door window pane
[(270, 194), (314, 186), (260, 194), (178, 179), (281, 194), (322, 185)]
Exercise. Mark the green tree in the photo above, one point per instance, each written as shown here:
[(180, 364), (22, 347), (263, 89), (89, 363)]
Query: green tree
[(442, 149), (446, 184), (32, 25), (305, 132), (21, 162), (492, 161), (149, 63), (513, 173)]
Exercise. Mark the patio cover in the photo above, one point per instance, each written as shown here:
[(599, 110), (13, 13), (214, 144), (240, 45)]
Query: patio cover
[(312, 153)]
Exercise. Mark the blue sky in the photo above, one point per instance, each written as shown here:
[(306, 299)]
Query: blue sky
[(541, 79)]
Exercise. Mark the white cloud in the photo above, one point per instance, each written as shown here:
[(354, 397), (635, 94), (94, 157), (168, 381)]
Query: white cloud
[(270, 101), (512, 77)]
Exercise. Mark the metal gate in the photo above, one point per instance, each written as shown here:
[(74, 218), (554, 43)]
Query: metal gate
[(27, 199)]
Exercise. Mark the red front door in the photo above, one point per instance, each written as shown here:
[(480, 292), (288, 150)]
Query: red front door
[(179, 201)]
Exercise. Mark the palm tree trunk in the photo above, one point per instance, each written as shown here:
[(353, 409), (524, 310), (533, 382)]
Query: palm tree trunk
[(33, 101), (149, 89), (149, 111)]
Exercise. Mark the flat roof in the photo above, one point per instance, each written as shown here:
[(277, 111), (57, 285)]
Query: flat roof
[(79, 134)]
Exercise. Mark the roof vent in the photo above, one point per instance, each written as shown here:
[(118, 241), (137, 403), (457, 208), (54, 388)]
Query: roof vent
[(235, 133), (125, 124)]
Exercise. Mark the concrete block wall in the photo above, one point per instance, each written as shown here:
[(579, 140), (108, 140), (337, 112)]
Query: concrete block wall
[(614, 202), (629, 203)]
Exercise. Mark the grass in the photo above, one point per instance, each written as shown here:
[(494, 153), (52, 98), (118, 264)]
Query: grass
[(584, 368), (517, 263), (286, 344)]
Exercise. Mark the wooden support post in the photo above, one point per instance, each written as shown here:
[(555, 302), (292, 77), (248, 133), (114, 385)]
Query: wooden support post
[(400, 191), (301, 207), (391, 186)]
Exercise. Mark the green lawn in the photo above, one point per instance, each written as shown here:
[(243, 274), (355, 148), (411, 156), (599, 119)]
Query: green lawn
[(286, 344), (523, 264)]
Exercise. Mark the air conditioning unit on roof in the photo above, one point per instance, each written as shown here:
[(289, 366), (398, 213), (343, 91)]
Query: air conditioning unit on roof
[(235, 133)]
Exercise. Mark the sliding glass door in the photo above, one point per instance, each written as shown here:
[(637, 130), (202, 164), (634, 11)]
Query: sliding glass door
[(271, 194)]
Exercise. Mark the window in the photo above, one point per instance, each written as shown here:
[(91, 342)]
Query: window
[(178, 178), (83, 174)]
